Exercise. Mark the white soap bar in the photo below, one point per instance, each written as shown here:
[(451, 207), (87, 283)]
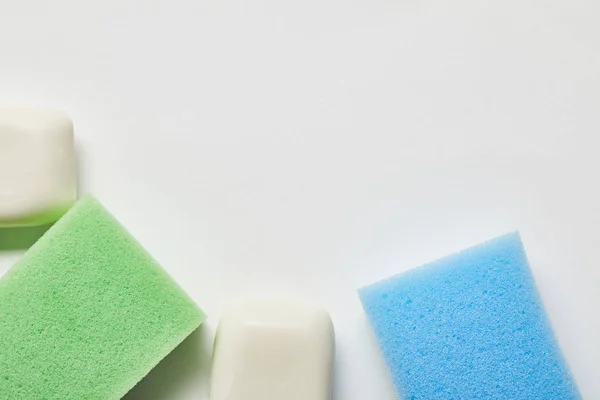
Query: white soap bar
[(273, 351), (38, 178)]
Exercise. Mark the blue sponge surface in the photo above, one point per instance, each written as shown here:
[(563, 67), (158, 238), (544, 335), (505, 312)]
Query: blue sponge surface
[(469, 326)]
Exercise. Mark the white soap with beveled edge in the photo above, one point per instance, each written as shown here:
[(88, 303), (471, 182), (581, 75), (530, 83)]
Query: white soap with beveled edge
[(38, 174), (273, 351)]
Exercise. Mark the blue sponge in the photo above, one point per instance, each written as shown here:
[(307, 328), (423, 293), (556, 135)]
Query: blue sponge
[(469, 326)]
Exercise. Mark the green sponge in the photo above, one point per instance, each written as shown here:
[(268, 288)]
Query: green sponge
[(87, 313)]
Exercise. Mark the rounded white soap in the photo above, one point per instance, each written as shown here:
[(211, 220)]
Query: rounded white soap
[(273, 351), (38, 174)]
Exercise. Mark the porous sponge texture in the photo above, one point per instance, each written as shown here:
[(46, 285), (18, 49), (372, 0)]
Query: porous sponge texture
[(469, 326), (87, 313)]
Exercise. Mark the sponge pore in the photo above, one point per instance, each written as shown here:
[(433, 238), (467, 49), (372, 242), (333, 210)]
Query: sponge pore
[(469, 326), (87, 313)]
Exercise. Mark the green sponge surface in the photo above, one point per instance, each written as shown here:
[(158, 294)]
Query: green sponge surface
[(87, 313)]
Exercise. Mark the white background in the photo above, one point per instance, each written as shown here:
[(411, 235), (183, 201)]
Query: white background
[(301, 149)]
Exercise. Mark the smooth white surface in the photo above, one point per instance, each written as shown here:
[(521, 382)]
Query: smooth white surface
[(38, 179), (301, 149), (273, 351)]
